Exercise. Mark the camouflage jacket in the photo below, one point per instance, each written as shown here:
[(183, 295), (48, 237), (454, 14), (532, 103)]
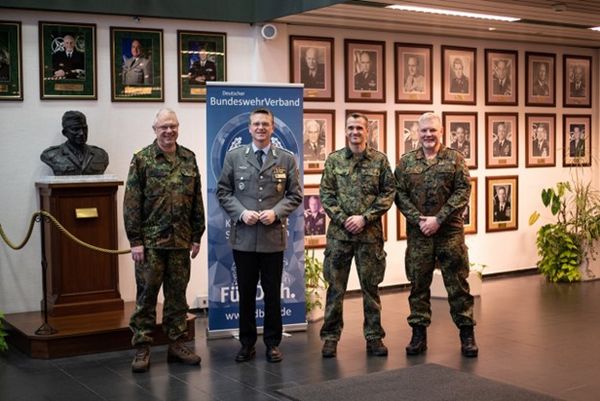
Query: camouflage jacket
[(439, 187), (163, 205), (357, 185)]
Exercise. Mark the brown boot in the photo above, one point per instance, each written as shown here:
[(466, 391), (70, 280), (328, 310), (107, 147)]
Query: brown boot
[(141, 361), (329, 349), (376, 347), (468, 346), (179, 352), (418, 341)]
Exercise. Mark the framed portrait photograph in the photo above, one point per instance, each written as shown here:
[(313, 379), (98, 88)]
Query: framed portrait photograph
[(460, 133), (577, 140), (540, 79), (376, 135), (136, 65), (501, 140), (365, 70), (459, 75), (312, 63), (501, 77), (470, 212), (540, 140), (67, 61), (502, 211), (11, 61), (414, 73), (315, 218), (407, 132), (318, 139), (400, 226), (202, 58), (577, 81)]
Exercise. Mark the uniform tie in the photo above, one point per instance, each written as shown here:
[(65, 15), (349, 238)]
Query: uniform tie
[(259, 156)]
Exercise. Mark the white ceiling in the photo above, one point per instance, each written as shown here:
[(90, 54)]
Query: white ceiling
[(562, 22)]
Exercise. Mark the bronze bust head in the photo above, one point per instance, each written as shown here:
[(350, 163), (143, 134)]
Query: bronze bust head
[(75, 157)]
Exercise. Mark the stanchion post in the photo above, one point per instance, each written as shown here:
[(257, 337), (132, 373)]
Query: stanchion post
[(45, 329)]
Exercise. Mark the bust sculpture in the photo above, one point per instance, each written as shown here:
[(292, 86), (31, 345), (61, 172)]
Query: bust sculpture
[(75, 157)]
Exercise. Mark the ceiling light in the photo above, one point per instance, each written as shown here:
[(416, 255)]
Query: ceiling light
[(596, 28), (452, 13)]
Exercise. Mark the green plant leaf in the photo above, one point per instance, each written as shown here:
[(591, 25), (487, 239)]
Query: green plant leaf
[(546, 196), (555, 205), (3, 344)]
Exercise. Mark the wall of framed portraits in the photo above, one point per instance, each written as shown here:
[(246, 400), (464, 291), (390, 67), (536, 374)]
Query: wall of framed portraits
[(522, 114), (512, 109)]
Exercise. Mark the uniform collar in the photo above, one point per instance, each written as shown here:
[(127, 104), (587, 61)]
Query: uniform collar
[(442, 152), (159, 152), (367, 154), (265, 149)]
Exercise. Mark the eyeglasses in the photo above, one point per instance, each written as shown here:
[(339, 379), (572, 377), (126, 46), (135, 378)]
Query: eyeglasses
[(165, 127)]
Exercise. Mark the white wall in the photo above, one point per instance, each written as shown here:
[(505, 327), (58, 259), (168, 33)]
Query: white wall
[(28, 127)]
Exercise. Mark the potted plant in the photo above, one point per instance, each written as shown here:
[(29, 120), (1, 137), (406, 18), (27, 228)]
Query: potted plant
[(566, 247), (3, 344), (315, 286)]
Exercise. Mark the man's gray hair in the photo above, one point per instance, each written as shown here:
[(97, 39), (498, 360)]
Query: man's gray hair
[(164, 110)]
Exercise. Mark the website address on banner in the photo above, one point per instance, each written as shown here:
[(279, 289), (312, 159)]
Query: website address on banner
[(255, 102), (258, 314)]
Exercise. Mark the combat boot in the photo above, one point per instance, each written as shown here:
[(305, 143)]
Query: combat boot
[(468, 347), (329, 349), (179, 352), (141, 360), (376, 347), (418, 342)]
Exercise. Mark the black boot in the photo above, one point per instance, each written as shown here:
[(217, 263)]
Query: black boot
[(468, 347), (418, 342)]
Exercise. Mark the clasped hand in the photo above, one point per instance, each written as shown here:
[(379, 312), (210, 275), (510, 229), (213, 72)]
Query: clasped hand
[(428, 225), (355, 224), (251, 217)]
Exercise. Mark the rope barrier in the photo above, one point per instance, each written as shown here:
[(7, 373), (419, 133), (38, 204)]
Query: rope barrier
[(37, 216)]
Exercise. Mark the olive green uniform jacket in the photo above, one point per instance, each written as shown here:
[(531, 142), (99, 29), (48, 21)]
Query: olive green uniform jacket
[(244, 185)]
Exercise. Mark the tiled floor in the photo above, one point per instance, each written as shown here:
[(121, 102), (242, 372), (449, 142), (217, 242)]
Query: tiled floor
[(531, 334)]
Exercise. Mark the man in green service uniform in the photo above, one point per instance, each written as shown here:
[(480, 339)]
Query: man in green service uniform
[(259, 188), (164, 220), (357, 188), (432, 190)]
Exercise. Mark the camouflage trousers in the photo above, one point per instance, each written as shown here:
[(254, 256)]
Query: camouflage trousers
[(449, 254), (370, 266), (170, 268)]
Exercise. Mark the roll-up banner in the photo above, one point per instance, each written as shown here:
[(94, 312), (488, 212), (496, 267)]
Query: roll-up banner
[(228, 108)]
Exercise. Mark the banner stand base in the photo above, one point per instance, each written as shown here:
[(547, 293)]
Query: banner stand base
[(234, 333)]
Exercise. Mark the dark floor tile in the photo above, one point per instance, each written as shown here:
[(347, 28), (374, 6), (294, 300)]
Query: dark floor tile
[(531, 334), (170, 388)]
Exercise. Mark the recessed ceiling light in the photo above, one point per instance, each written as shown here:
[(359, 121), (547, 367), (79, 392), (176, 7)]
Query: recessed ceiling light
[(491, 28), (453, 13), (596, 28)]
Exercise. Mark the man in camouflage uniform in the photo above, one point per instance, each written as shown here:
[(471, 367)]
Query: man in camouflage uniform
[(432, 190), (164, 220), (259, 188), (357, 188)]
